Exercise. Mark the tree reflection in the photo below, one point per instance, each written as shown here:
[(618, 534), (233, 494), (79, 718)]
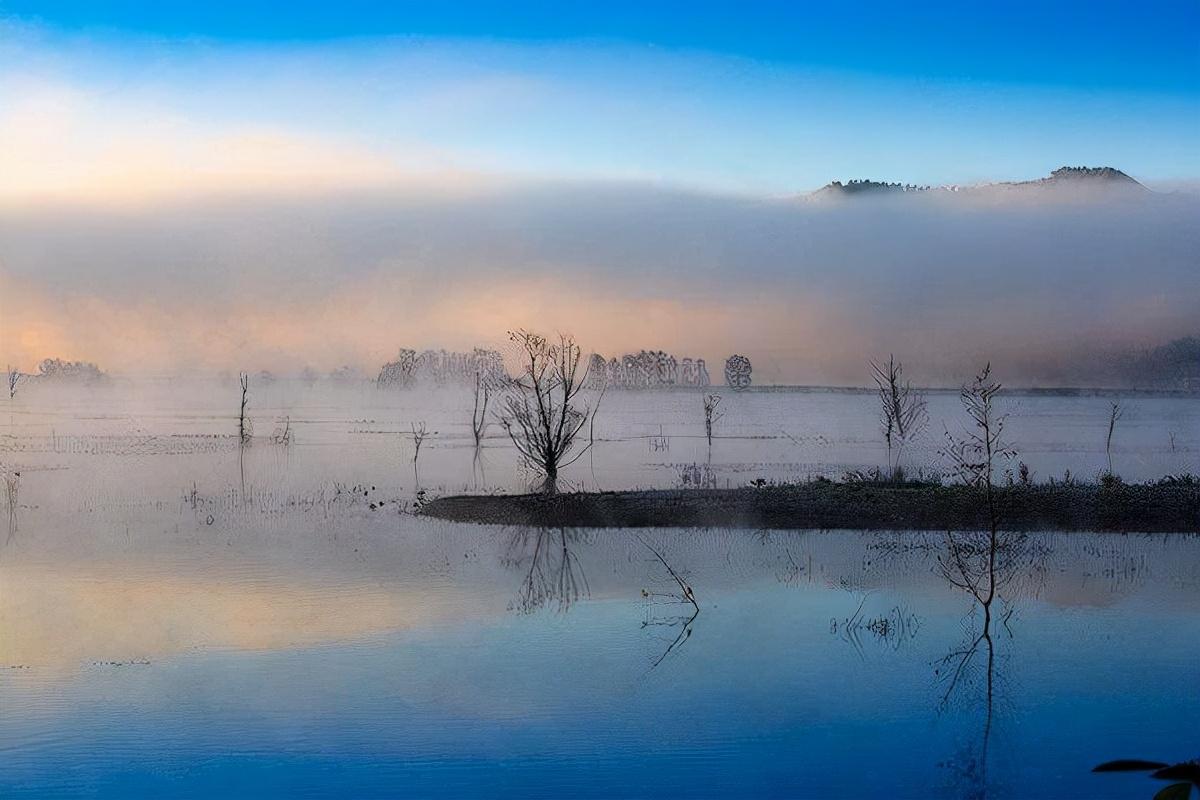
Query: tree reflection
[(685, 596), (553, 574), (982, 564), (12, 483), (979, 563)]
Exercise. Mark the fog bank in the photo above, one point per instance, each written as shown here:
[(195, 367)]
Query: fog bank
[(810, 290)]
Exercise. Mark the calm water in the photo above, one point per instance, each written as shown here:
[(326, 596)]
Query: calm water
[(180, 619)]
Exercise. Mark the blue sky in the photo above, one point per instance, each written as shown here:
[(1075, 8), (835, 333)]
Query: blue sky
[(761, 98), (1101, 44)]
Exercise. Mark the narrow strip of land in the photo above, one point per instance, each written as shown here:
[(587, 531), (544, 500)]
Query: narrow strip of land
[(1157, 507)]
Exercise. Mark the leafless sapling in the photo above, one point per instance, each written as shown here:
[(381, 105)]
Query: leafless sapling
[(283, 433), (980, 563), (541, 411), (971, 562), (1115, 412), (244, 430), (711, 415), (419, 434), (596, 410), (484, 386), (14, 377), (902, 411)]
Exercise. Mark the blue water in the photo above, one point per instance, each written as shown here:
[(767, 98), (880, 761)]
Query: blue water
[(371, 657)]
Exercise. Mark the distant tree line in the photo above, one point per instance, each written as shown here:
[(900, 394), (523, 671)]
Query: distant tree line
[(857, 186), (76, 371), (411, 368), (1174, 365), (648, 369)]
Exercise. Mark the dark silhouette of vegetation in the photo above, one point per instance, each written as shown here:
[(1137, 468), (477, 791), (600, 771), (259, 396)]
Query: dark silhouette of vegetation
[(902, 411), (283, 433), (14, 377), (1170, 505), (973, 454), (541, 410), (867, 186), (439, 367), (486, 384), (419, 434), (647, 369), (1115, 413), (978, 562), (399, 373), (58, 369), (1186, 774), (244, 428), (738, 370), (1174, 365), (711, 415)]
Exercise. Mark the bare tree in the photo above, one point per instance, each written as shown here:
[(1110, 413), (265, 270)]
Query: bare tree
[(419, 434), (974, 454), (711, 415), (244, 430), (902, 412), (971, 560), (541, 413), (1116, 411), (484, 385), (283, 432), (596, 410), (14, 377)]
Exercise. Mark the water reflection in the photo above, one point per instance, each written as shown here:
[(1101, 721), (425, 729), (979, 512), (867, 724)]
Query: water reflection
[(682, 622), (438, 657), (553, 574), (993, 568), (969, 670)]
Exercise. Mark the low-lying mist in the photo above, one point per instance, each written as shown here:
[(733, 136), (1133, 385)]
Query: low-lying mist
[(1049, 288)]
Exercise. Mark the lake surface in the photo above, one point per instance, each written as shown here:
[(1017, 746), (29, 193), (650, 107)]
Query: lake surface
[(181, 617)]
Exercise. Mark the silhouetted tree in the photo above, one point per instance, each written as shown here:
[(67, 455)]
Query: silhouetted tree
[(57, 369), (737, 372), (711, 415), (541, 413), (419, 434), (1114, 414), (244, 423), (489, 379), (902, 414)]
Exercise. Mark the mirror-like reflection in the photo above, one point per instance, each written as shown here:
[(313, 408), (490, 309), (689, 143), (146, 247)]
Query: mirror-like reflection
[(292, 648)]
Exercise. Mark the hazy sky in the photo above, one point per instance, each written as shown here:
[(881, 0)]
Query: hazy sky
[(204, 183)]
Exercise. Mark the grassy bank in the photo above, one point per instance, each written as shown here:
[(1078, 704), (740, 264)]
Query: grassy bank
[(1165, 506)]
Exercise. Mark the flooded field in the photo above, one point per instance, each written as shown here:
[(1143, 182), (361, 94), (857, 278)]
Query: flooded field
[(148, 442), (182, 616)]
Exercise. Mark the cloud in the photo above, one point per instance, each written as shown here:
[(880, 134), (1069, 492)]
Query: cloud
[(810, 291), (59, 145)]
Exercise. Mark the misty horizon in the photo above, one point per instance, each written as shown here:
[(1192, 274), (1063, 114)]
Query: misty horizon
[(282, 282)]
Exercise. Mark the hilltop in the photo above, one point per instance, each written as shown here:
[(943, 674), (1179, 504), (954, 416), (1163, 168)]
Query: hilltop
[(1070, 179)]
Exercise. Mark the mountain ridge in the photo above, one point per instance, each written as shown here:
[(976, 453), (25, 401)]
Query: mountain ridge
[(1103, 178)]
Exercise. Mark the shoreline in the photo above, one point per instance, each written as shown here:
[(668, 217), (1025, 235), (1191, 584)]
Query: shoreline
[(1163, 507)]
